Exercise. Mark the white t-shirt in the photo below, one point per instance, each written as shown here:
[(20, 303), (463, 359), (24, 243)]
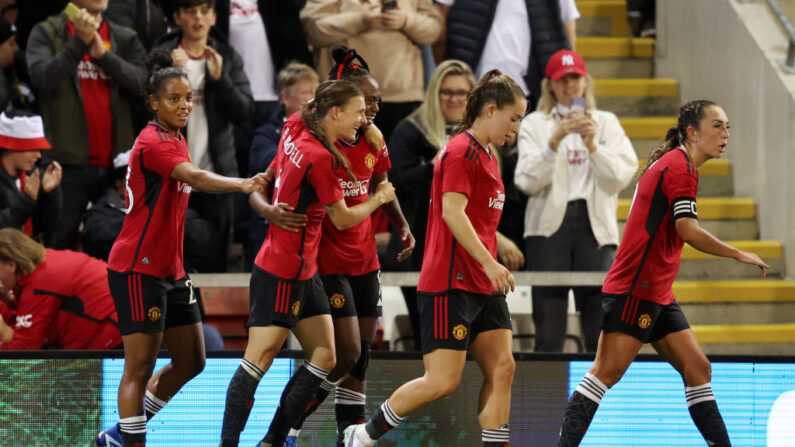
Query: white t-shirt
[(579, 172), (508, 45), (247, 37), (198, 133)]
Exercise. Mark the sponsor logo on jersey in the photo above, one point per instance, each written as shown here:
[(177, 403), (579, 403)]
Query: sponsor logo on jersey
[(354, 189), (337, 300), (369, 160), (154, 313), (24, 321), (497, 202), (183, 187), (644, 321), (460, 332), (291, 150), (296, 308)]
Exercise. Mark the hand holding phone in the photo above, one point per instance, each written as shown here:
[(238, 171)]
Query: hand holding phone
[(577, 104), (386, 5)]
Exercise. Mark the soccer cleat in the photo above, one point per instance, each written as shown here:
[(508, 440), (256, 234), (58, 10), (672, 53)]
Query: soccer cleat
[(351, 440), (291, 441), (110, 437)]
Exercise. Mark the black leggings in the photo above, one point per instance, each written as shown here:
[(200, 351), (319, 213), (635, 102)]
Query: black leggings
[(572, 248)]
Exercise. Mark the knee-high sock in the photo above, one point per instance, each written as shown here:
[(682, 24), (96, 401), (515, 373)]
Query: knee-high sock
[(349, 408), (239, 400), (580, 410), (294, 401), (704, 411), (320, 396), (152, 404), (496, 438), (133, 430)]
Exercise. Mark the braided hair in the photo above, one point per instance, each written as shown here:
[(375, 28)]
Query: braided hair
[(690, 114), (329, 94), (345, 66)]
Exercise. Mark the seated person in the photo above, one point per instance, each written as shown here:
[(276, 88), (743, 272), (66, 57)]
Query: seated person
[(53, 298), (30, 196)]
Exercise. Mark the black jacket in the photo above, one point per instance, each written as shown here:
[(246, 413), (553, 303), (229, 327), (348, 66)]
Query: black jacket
[(469, 23), (16, 208), (282, 26), (226, 101), (266, 142)]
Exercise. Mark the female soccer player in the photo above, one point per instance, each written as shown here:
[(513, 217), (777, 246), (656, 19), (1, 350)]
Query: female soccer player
[(286, 292), (639, 306), (153, 295), (348, 260), (460, 273)]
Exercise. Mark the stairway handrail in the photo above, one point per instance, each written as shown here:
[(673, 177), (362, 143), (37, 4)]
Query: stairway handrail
[(789, 28)]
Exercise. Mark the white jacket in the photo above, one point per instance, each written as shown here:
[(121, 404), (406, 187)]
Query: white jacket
[(543, 174)]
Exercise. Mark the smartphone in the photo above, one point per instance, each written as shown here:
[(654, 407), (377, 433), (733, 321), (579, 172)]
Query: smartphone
[(71, 11), (577, 103), (386, 5)]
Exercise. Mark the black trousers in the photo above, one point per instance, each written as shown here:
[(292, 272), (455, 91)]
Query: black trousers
[(572, 248), (391, 114), (80, 184)]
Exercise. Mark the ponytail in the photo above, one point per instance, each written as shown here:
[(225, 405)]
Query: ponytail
[(494, 87), (329, 94), (690, 115)]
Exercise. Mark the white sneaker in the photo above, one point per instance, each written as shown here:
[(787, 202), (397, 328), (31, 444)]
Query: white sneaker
[(351, 440)]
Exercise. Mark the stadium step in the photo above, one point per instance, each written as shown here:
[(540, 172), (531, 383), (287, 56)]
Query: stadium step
[(647, 127), (602, 18), (758, 291), (615, 47), (637, 97), (723, 229)]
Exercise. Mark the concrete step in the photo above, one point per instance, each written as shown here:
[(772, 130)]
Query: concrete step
[(737, 302), (740, 313), (608, 68), (647, 127), (699, 265), (710, 208), (638, 97), (602, 18), (715, 180), (743, 339), (723, 229), (615, 47)]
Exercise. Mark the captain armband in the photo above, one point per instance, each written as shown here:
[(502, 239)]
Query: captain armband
[(684, 207)]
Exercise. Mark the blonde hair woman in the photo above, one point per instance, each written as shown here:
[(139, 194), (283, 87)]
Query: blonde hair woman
[(573, 161)]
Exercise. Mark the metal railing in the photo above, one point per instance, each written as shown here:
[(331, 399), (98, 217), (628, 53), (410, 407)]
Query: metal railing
[(410, 279), (788, 63)]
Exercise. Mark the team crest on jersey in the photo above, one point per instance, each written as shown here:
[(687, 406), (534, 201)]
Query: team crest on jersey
[(460, 332), (154, 313), (369, 160), (337, 301), (644, 321), (296, 308)]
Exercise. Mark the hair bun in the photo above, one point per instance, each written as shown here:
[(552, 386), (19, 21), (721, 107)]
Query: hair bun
[(338, 52), (158, 59)]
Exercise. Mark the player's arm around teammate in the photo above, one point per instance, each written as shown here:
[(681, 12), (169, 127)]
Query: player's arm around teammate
[(456, 297), (152, 293), (702, 133)]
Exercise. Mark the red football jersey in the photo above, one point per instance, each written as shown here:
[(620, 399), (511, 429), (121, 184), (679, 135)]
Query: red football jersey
[(151, 238), (647, 259), (64, 303), (467, 167), (305, 179), (353, 252)]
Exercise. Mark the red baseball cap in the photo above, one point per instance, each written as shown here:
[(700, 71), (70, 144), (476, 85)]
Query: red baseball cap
[(564, 62)]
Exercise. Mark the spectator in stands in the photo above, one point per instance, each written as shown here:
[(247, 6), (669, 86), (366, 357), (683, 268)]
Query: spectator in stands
[(296, 83), (388, 35), (30, 196), (573, 161), (12, 91), (31, 13), (268, 35), (58, 299), (84, 72), (515, 36), (146, 17), (10, 12), (221, 97)]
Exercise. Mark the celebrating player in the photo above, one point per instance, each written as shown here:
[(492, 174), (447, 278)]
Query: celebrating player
[(153, 295), (286, 292), (639, 306), (460, 273)]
